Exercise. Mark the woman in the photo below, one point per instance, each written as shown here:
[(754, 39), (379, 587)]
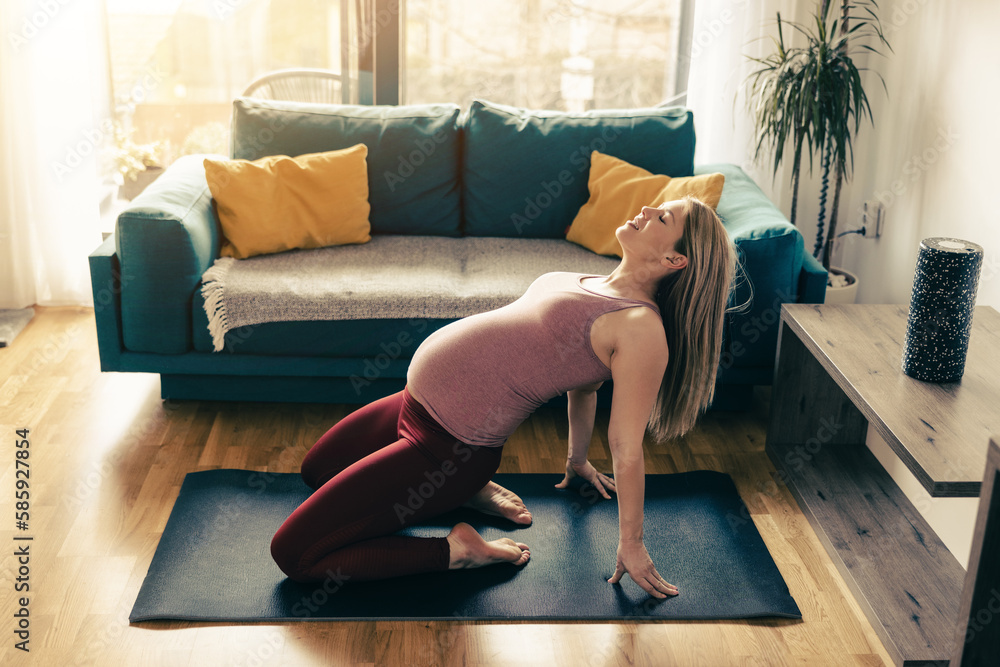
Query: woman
[(435, 445)]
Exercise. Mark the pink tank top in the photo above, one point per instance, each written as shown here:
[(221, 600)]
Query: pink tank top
[(482, 375)]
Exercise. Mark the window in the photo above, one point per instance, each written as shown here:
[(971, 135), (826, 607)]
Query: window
[(176, 65), (571, 55)]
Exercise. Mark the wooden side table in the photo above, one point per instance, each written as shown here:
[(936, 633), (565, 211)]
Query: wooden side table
[(839, 371)]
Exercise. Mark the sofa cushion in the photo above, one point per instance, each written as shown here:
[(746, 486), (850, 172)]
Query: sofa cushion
[(525, 171), (391, 277), (413, 153), (278, 203), (619, 190)]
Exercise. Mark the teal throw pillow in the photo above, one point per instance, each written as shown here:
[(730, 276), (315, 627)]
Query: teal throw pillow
[(525, 171), (413, 154)]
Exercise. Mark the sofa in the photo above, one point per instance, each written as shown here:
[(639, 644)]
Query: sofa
[(495, 186)]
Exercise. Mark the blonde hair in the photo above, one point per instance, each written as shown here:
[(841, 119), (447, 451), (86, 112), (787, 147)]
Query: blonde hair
[(692, 303)]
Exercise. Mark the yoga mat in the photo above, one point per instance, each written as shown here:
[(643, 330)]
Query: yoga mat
[(213, 562)]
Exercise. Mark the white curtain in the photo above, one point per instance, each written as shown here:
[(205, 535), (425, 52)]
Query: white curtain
[(725, 32), (54, 103)]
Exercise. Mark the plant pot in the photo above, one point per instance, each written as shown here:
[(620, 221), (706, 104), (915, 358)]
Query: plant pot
[(846, 294), (130, 189)]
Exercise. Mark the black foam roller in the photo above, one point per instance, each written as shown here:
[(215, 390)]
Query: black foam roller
[(942, 303)]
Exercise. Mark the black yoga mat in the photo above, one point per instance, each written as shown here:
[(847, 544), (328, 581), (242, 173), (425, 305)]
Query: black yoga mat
[(213, 562)]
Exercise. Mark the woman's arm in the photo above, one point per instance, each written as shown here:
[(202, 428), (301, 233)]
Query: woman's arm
[(637, 366), (581, 408)]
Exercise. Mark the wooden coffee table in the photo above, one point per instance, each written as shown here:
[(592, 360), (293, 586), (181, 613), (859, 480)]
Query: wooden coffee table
[(839, 370)]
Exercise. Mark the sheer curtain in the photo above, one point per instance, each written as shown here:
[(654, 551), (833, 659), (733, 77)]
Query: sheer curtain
[(724, 33), (53, 99)]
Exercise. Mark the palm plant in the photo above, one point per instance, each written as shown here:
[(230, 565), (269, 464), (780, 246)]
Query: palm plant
[(812, 96)]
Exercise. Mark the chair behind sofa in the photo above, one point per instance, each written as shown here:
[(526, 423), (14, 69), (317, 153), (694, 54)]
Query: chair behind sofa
[(300, 85)]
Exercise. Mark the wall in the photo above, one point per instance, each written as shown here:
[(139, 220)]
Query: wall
[(932, 156)]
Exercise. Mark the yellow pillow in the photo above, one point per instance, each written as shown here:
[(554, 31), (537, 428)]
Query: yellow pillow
[(278, 203), (618, 190)]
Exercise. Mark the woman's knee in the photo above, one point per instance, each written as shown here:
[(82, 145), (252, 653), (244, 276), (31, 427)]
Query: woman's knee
[(288, 558), (360, 433), (316, 469), (285, 558)]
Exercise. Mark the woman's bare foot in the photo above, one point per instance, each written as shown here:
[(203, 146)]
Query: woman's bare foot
[(469, 549), (498, 501)]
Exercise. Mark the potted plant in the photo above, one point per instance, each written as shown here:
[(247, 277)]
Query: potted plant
[(812, 96), (138, 165)]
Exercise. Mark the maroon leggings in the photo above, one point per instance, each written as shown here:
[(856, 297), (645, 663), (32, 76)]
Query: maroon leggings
[(381, 468)]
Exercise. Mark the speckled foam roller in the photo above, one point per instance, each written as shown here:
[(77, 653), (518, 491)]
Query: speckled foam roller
[(945, 282)]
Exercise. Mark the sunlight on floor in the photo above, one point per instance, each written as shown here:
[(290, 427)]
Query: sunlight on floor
[(133, 395)]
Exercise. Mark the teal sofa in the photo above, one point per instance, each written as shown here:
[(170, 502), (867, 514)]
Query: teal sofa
[(434, 171)]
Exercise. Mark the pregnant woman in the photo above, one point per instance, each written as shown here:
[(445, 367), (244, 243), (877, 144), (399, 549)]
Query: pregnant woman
[(653, 326)]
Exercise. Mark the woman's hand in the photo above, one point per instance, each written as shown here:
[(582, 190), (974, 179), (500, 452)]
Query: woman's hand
[(634, 559), (599, 480)]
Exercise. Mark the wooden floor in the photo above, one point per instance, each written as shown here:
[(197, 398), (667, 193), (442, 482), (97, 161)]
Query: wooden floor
[(108, 458)]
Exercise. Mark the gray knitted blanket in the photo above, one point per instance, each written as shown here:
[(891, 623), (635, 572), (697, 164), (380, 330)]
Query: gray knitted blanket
[(389, 277)]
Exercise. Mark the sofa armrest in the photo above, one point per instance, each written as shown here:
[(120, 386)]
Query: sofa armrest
[(812, 281), (105, 281), (772, 253), (165, 240)]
